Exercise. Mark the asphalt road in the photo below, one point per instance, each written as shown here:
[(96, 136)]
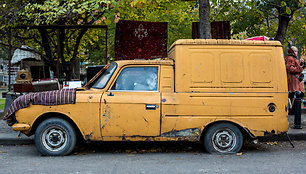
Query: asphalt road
[(156, 158)]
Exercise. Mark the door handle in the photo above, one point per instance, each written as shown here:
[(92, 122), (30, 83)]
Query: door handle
[(151, 107), (110, 94)]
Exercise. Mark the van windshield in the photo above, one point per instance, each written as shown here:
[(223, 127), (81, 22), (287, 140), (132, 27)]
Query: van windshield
[(104, 78)]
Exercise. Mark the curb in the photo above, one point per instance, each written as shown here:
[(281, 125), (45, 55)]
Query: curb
[(283, 137), (16, 141)]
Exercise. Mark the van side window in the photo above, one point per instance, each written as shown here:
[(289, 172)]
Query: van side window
[(137, 79)]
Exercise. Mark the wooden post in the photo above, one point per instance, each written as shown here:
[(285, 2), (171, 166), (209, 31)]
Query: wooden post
[(10, 57), (58, 51), (106, 45)]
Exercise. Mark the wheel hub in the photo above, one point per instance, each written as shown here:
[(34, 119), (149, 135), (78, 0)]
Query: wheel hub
[(54, 138), (224, 140)]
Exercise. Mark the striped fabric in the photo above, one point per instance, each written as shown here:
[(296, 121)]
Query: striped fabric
[(57, 97)]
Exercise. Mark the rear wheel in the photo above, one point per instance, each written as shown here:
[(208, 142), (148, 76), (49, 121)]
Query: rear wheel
[(54, 137), (223, 138)]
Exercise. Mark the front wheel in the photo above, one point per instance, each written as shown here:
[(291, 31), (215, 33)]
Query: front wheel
[(55, 137), (223, 138)]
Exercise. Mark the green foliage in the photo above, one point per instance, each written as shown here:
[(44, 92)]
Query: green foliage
[(2, 104), (94, 48), (50, 12), (260, 17), (3, 52), (297, 30), (284, 7), (53, 11)]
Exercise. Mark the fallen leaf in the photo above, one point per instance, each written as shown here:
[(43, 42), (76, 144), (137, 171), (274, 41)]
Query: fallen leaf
[(2, 152), (239, 154), (128, 151), (272, 143)]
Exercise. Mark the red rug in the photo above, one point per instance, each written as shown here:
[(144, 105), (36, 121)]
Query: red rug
[(140, 40)]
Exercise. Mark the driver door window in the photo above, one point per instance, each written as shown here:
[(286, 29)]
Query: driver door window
[(137, 79)]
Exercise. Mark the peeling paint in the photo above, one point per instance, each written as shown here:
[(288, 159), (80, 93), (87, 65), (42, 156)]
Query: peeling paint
[(264, 132), (106, 112), (106, 115), (190, 134), (123, 138), (269, 133), (88, 136)]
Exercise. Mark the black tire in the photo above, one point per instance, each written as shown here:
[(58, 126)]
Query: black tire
[(55, 137), (223, 138)]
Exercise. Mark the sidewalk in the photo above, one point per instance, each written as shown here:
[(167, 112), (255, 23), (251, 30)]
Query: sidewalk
[(10, 137), (294, 134)]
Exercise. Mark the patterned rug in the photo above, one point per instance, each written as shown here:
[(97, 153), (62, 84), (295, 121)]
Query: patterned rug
[(140, 40)]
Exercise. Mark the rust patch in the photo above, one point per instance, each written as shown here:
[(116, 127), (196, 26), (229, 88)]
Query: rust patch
[(106, 113), (269, 133), (265, 132), (106, 117), (192, 134), (88, 136)]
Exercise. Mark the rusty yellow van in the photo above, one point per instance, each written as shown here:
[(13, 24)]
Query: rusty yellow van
[(219, 92)]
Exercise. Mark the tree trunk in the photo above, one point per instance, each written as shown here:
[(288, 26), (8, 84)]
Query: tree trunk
[(75, 64), (283, 22), (268, 26), (75, 68), (204, 15), (46, 45), (60, 52)]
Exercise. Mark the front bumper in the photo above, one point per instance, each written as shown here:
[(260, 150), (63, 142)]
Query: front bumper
[(21, 127)]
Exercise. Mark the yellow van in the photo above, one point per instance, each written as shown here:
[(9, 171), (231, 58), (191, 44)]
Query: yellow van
[(219, 92)]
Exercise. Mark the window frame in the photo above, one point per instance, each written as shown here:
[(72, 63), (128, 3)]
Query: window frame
[(116, 66)]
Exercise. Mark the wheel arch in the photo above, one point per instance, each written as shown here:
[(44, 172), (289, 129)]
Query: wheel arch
[(245, 131), (48, 115)]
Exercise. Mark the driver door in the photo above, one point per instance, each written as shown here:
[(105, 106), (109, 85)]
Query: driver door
[(132, 106)]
